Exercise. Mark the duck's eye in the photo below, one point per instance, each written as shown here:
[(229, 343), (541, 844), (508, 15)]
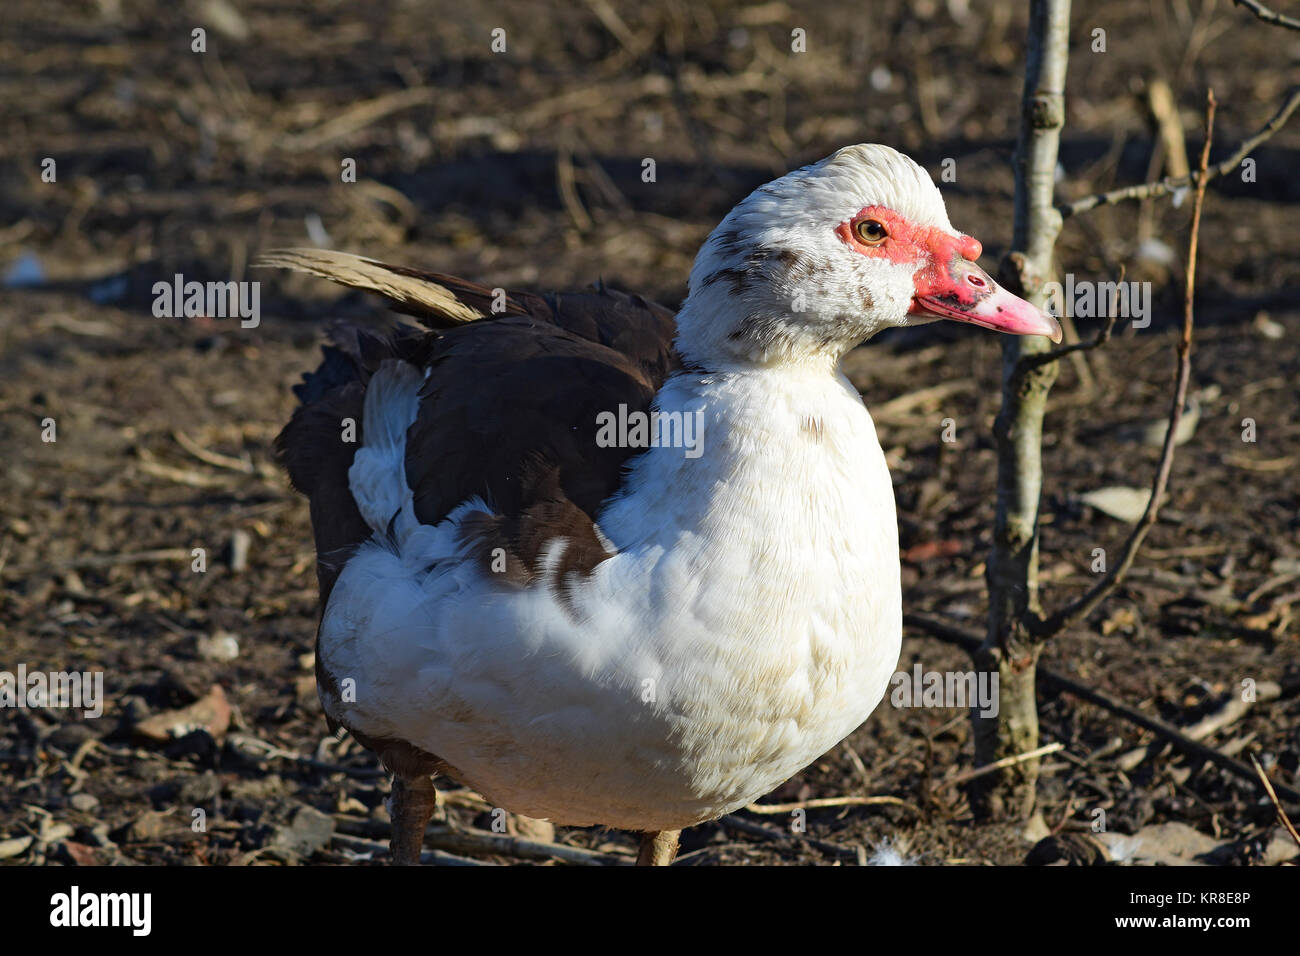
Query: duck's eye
[(870, 231)]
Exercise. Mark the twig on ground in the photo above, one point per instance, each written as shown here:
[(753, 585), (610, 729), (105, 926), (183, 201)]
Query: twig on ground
[(1232, 710), (780, 836), (603, 99), (823, 802), (858, 765), (1061, 683), (443, 837), (259, 749), (615, 24), (1001, 764), (216, 459), (928, 742), (427, 857), (106, 561), (150, 465), (358, 117), (1282, 818)]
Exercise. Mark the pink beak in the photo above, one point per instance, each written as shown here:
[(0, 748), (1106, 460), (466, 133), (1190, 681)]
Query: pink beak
[(954, 287)]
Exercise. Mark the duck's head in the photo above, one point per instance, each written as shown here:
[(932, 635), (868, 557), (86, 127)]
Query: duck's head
[(818, 261)]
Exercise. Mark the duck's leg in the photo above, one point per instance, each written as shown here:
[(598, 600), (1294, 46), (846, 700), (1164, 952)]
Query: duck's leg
[(658, 847), (413, 803)]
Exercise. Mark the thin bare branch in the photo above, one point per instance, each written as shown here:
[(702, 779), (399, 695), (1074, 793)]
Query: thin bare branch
[(1030, 362), (734, 822), (159, 556), (1180, 741), (469, 841), (1081, 608), (1282, 818), (1002, 764), (1027, 363), (1267, 15), (1169, 184), (1062, 684), (944, 631), (823, 802)]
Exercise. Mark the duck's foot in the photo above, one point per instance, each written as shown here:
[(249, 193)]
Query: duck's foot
[(413, 803), (658, 848)]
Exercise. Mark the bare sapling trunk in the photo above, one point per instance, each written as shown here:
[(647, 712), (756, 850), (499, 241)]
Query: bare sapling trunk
[(1010, 650), (1007, 741)]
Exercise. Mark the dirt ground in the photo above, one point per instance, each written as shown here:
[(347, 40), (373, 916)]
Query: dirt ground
[(523, 169)]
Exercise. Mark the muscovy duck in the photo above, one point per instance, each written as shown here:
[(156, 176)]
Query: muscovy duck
[(607, 565)]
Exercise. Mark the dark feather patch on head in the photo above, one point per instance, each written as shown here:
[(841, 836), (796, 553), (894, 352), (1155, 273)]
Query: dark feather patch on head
[(767, 264)]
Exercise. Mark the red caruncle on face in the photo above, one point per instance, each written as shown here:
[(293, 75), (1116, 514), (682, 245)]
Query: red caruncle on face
[(948, 283), (906, 241)]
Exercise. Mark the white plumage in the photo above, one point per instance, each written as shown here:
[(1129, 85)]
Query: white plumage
[(745, 613), (749, 621)]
